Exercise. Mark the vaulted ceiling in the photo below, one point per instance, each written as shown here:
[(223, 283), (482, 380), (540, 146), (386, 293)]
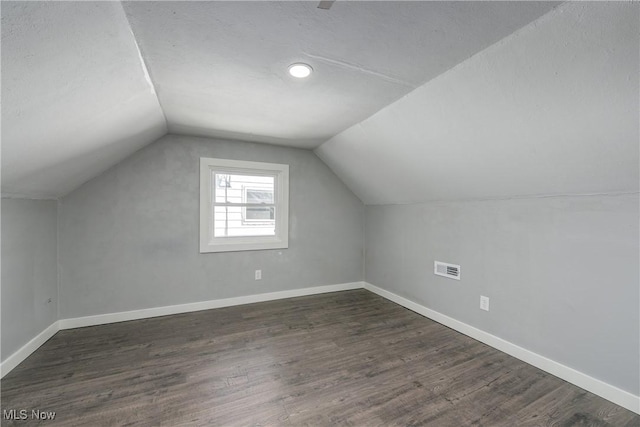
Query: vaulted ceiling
[(76, 98), (220, 67), (449, 97), (550, 110)]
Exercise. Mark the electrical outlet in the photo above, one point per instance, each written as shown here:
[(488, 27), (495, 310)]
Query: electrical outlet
[(258, 274), (484, 303)]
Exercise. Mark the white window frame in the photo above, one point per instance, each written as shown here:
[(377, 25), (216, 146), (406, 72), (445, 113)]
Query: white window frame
[(280, 172)]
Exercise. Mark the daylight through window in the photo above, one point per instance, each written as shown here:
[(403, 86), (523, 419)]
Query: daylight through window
[(243, 205)]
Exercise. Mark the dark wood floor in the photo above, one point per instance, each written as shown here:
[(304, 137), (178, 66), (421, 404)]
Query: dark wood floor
[(346, 358)]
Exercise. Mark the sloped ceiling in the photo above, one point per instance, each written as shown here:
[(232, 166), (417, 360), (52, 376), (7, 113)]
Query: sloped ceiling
[(551, 109), (220, 67), (76, 96)]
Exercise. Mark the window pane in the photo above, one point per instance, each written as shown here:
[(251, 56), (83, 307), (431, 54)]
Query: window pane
[(229, 221), (235, 188), (260, 196), (258, 214)]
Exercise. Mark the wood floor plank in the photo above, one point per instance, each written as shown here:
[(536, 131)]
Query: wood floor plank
[(347, 358)]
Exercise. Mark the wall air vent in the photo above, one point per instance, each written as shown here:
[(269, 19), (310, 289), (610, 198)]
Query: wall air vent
[(451, 271)]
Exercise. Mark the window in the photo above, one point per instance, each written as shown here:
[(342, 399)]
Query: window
[(261, 197), (243, 205)]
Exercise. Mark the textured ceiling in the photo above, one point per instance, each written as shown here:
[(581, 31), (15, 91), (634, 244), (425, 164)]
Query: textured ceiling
[(552, 109), (220, 67), (76, 96)]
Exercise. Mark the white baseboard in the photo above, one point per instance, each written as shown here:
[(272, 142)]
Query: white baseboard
[(602, 389), (25, 351), (78, 322), (595, 386), (101, 319)]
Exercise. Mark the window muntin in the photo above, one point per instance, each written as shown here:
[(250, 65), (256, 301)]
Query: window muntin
[(260, 207), (243, 205)]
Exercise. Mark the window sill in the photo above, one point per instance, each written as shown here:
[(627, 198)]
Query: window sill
[(232, 245)]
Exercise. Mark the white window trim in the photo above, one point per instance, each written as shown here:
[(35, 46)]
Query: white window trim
[(208, 243)]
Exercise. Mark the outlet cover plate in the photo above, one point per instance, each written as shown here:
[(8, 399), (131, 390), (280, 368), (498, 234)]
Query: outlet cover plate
[(484, 303)]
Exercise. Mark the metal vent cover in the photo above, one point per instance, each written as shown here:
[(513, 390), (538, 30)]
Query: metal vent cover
[(444, 269)]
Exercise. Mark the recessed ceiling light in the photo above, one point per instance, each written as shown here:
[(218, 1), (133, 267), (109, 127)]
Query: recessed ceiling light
[(300, 70)]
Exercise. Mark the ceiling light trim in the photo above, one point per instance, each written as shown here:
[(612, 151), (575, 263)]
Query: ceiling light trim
[(300, 70)]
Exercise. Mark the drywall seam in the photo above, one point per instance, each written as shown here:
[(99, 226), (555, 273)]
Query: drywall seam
[(41, 196), (360, 69), (595, 386), (496, 45), (145, 68)]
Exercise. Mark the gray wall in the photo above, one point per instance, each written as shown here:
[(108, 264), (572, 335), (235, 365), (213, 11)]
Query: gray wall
[(128, 239), (561, 273), (29, 272)]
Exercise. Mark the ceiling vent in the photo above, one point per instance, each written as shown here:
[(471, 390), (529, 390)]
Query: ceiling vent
[(451, 271)]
